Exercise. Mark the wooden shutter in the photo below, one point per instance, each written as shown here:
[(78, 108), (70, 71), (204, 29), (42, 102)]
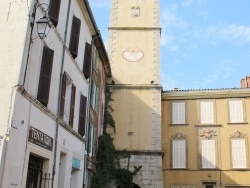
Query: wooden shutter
[(178, 113), (64, 82), (207, 112), (238, 153), (54, 9), (72, 105), (179, 153), (87, 61), (45, 76), (236, 111), (208, 153), (82, 115), (74, 38)]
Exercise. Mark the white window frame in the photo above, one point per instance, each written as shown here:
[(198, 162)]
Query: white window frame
[(178, 112), (207, 112), (208, 154), (179, 153), (236, 110), (238, 153)]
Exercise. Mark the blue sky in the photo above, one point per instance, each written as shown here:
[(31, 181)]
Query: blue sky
[(205, 44)]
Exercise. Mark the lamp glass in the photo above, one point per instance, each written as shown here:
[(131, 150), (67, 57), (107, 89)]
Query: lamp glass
[(43, 27)]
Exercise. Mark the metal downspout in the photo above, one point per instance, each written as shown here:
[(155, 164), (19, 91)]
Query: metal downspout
[(60, 93)]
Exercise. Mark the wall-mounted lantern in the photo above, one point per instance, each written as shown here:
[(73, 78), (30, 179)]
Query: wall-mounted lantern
[(43, 25)]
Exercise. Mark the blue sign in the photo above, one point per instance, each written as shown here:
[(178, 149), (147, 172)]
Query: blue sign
[(76, 163)]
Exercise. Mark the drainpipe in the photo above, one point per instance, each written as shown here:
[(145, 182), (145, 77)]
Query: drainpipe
[(88, 102), (60, 93)]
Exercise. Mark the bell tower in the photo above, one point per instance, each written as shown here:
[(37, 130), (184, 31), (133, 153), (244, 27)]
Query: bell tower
[(134, 52)]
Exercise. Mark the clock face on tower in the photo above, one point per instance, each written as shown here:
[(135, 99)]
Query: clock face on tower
[(133, 55)]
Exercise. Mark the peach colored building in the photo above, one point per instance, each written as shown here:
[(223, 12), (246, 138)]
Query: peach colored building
[(205, 138)]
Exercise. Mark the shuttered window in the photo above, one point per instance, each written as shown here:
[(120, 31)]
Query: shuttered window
[(64, 82), (54, 9), (82, 115), (179, 153), (208, 153), (238, 153), (92, 140), (207, 112), (236, 111), (87, 61), (93, 95), (45, 75), (72, 105), (74, 38), (178, 113)]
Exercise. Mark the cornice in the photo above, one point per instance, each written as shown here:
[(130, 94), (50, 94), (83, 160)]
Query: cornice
[(134, 86), (134, 28), (143, 152), (46, 111), (205, 94)]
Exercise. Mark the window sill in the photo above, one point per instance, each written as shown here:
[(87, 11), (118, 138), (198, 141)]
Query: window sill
[(208, 125), (179, 168), (183, 124), (240, 169), (238, 123)]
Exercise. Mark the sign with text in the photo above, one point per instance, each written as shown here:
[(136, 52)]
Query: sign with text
[(41, 139)]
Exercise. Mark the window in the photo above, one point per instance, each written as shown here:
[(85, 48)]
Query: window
[(207, 112), (87, 61), (238, 147), (94, 96), (183, 186), (179, 153), (54, 9), (236, 111), (82, 115), (45, 76), (178, 113), (92, 140), (72, 105), (68, 93), (63, 94), (96, 59), (75, 35), (208, 153)]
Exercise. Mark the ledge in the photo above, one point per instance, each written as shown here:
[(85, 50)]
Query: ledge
[(184, 124), (134, 86), (143, 152), (208, 125), (242, 123)]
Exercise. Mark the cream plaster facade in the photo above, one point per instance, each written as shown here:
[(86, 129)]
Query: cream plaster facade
[(134, 52), (192, 173)]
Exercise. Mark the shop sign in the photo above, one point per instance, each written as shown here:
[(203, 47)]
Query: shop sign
[(76, 163), (41, 139)]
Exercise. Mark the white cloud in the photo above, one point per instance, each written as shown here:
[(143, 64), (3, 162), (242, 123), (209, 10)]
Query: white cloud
[(187, 3), (170, 22), (231, 33)]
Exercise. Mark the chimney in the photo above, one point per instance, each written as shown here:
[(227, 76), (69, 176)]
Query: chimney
[(243, 83), (247, 81)]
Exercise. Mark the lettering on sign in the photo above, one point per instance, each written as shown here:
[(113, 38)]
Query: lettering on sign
[(41, 139)]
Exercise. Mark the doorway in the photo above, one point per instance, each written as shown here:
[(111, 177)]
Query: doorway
[(34, 174), (209, 185)]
